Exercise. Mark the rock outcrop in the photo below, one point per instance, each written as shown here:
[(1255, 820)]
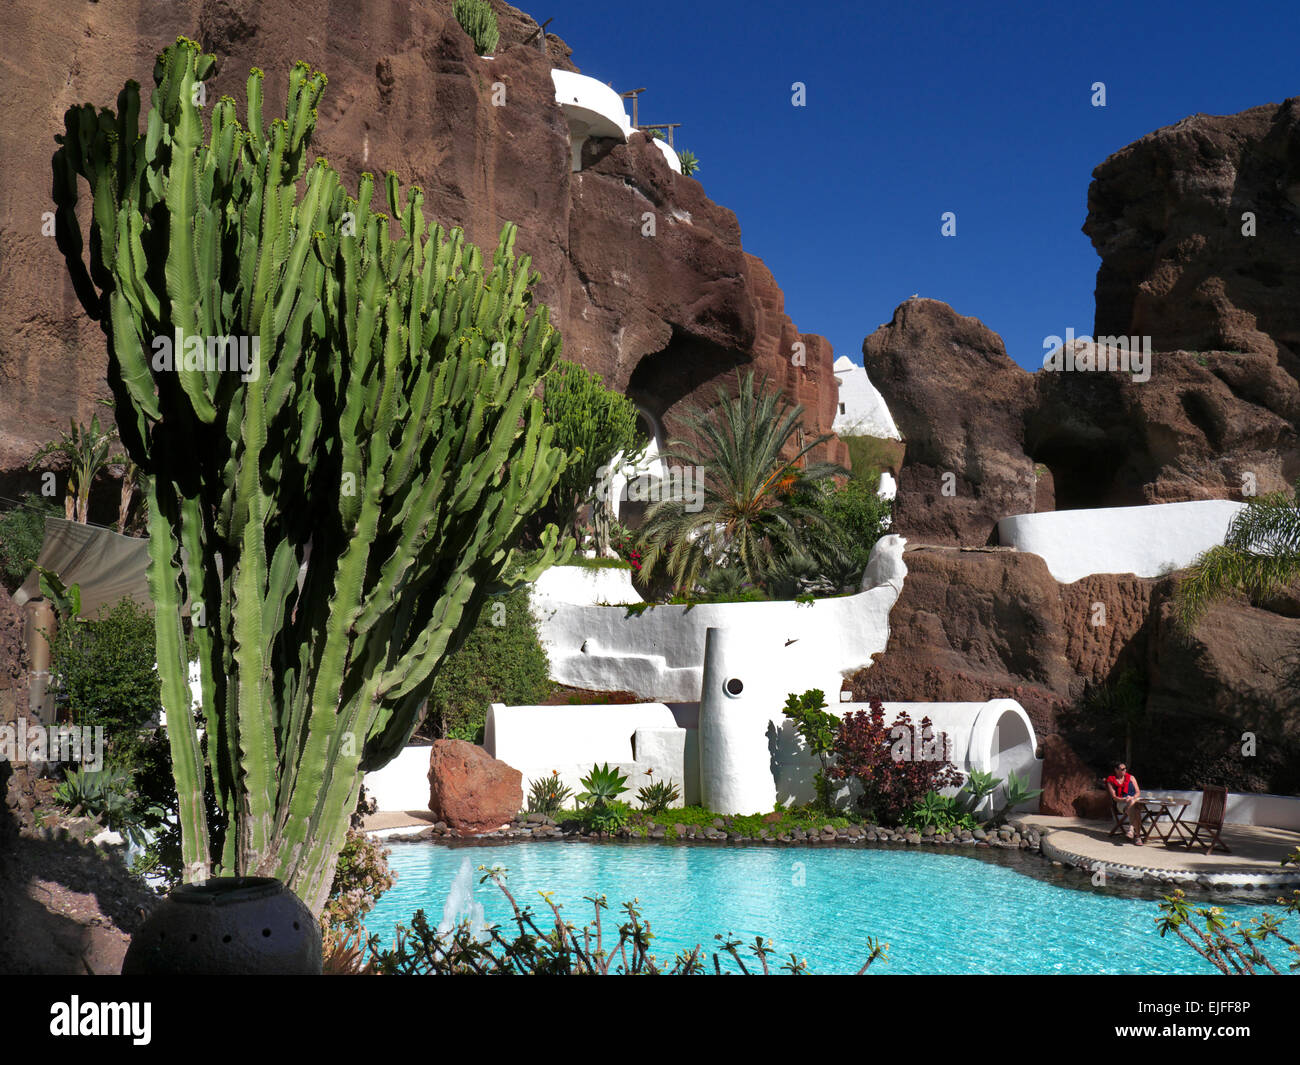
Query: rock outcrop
[(469, 790), (666, 318), (960, 404)]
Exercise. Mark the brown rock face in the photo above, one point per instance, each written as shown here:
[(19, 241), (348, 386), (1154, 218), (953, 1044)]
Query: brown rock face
[(665, 317), (470, 790), (977, 624), (959, 402), (1166, 216), (1069, 784)]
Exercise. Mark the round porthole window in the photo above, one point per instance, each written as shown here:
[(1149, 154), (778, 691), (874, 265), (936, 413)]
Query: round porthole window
[(734, 686)]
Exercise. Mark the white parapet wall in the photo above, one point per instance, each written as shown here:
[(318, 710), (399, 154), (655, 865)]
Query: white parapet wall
[(403, 784), (640, 740), (658, 652), (583, 586), (1147, 541), (1265, 811), (862, 410)]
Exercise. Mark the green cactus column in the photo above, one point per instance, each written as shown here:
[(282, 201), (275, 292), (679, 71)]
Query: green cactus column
[(306, 380)]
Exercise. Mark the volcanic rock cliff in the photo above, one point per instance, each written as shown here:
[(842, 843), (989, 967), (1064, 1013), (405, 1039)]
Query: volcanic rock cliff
[(1218, 416), (665, 318)]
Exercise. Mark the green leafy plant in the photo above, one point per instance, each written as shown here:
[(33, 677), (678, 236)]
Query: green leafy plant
[(943, 813), (107, 794), (477, 18), (602, 812), (1234, 948), (386, 418), (547, 795), (501, 661), (818, 728), (658, 796), (979, 785), (592, 424), (689, 163), (22, 532), (1259, 557), (1018, 791), (605, 817), (86, 451), (753, 447), (554, 946), (360, 879)]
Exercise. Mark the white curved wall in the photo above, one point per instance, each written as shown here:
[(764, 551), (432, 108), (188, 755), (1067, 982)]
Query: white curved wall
[(993, 737), (659, 653), (669, 154), (403, 784), (1147, 541), (633, 738), (582, 586), (865, 412), (591, 107)]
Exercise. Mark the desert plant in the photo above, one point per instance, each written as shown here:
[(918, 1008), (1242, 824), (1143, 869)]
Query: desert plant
[(603, 785), (547, 795), (979, 785), (108, 794), (894, 765), (86, 450), (477, 18), (658, 796), (689, 163), (385, 433), (751, 447), (1018, 792), (1259, 557)]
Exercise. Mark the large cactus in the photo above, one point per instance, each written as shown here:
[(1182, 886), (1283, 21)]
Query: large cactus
[(389, 439)]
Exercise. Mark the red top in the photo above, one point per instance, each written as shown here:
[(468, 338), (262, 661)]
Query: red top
[(1122, 789)]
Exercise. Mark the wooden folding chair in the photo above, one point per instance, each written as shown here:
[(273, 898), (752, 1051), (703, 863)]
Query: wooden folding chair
[(1209, 822), (1122, 824)]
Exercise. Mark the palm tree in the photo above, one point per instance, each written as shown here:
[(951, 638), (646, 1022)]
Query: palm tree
[(1259, 556), (750, 514)]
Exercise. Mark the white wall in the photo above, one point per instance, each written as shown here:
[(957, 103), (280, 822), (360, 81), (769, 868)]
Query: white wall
[(1269, 811), (865, 410), (659, 653), (633, 738), (1146, 541), (403, 784), (583, 586)]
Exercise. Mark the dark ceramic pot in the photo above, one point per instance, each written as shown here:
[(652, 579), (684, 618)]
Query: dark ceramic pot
[(230, 926)]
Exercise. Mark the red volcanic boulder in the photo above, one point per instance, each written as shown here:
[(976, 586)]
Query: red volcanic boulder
[(1069, 786), (960, 404), (470, 790)]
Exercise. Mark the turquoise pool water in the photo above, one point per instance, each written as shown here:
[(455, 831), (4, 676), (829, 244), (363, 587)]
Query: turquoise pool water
[(940, 913)]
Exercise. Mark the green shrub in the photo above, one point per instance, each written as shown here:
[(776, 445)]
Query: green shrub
[(945, 814), (601, 810), (22, 531), (818, 728), (360, 878), (689, 162), (103, 672), (477, 18), (497, 663)]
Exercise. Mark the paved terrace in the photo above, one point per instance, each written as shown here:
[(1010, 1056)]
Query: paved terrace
[(1254, 861)]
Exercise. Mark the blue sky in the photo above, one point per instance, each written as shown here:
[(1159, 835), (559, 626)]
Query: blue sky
[(914, 109)]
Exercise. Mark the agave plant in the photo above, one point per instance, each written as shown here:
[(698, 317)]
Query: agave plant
[(657, 796), (690, 164), (603, 785), (752, 450)]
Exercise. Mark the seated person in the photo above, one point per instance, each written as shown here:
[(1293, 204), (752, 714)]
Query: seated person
[(1123, 788)]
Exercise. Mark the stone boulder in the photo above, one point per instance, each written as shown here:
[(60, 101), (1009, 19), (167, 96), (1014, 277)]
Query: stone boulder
[(470, 790), (959, 402), (1069, 785)]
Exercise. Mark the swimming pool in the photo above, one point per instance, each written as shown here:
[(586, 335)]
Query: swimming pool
[(939, 913)]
